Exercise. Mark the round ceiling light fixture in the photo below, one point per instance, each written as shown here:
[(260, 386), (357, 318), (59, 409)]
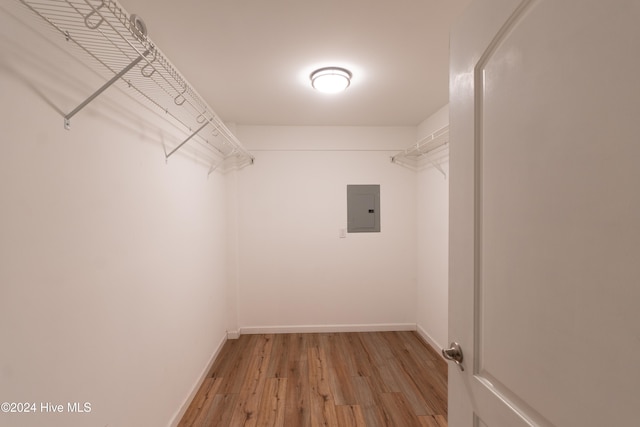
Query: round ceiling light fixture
[(331, 79)]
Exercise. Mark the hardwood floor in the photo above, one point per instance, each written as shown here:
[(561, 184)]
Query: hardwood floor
[(328, 379)]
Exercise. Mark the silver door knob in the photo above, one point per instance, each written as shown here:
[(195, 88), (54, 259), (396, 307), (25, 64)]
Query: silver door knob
[(454, 352)]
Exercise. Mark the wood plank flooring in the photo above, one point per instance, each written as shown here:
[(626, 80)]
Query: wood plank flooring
[(328, 379)]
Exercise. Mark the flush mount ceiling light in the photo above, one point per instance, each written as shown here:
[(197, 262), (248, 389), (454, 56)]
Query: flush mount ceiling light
[(330, 79)]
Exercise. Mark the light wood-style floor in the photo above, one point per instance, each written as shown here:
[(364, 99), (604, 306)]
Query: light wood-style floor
[(327, 379)]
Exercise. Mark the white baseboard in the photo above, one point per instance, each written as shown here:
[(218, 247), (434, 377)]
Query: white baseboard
[(233, 335), (185, 405), (377, 327), (425, 336)]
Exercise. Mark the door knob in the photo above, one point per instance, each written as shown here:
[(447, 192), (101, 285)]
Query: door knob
[(454, 352)]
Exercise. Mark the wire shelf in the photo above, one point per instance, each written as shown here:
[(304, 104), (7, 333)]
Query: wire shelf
[(413, 156), (118, 42)]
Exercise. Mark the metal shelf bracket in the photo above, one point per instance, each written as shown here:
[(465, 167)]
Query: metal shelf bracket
[(125, 70), (186, 140)]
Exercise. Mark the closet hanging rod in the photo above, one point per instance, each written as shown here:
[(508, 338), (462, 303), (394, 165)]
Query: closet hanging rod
[(118, 42)]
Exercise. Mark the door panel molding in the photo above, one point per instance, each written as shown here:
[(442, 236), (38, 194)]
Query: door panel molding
[(485, 384)]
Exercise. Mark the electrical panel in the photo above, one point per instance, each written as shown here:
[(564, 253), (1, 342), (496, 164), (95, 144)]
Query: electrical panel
[(363, 208)]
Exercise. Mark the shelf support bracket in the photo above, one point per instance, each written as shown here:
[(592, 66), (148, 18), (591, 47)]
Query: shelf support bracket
[(186, 140), (438, 167), (125, 70)]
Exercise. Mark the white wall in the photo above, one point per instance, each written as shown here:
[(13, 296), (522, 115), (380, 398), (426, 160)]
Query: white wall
[(433, 240), (295, 271), (113, 279)]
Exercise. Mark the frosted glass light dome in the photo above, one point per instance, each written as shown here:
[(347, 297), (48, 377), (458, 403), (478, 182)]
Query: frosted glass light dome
[(331, 79)]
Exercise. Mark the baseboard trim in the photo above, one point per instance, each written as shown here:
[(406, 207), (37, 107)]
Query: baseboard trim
[(185, 405), (233, 335), (377, 327), (425, 336)]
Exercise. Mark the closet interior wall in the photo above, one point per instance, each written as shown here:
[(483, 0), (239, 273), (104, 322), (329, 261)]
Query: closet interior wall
[(296, 272), (432, 195), (113, 262)]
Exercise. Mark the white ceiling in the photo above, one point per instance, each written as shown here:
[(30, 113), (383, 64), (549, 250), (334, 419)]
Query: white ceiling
[(251, 59)]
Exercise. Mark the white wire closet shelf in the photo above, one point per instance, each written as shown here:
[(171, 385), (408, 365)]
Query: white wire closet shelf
[(118, 42), (424, 150)]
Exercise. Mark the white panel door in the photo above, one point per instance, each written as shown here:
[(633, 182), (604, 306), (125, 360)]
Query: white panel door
[(545, 214)]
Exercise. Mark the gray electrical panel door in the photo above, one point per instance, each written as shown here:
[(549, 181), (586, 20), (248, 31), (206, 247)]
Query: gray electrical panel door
[(363, 208)]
